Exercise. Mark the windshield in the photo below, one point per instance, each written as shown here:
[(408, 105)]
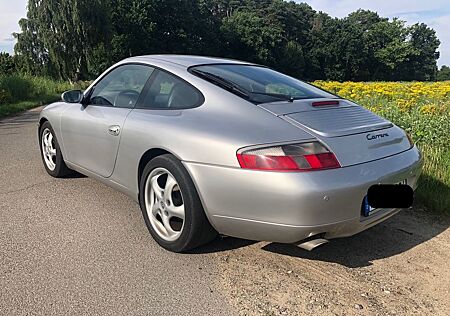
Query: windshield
[(258, 84)]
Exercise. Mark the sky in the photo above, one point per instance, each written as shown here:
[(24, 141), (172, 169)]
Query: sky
[(434, 13)]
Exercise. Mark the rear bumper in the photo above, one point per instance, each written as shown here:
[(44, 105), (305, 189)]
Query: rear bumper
[(288, 207)]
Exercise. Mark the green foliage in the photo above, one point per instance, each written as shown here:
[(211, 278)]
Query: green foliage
[(7, 64), (73, 39), (58, 37), (443, 74), (252, 36), (20, 92), (172, 26), (434, 184), (26, 87), (425, 43)]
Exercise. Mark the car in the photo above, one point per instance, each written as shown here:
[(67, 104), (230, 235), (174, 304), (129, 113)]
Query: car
[(211, 146)]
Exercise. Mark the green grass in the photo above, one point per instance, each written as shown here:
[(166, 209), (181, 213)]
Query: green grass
[(434, 184), (22, 92), (9, 109)]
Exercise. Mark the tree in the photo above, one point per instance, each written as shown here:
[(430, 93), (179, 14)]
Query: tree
[(424, 40), (7, 64), (170, 26), (78, 39), (390, 50), (32, 57), (443, 74), (60, 35), (252, 37)]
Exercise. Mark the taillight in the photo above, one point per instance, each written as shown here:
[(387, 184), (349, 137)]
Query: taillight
[(309, 156)]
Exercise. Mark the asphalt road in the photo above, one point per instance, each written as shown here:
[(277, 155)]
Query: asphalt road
[(74, 246)]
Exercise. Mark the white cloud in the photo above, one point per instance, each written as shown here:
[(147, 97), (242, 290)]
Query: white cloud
[(435, 14), (442, 27), (10, 14), (384, 7)]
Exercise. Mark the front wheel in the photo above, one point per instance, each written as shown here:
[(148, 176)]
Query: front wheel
[(171, 206), (51, 152)]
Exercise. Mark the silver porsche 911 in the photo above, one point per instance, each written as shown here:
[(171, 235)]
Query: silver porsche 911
[(209, 145)]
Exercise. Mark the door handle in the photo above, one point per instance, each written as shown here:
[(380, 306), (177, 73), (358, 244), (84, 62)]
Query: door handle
[(114, 130)]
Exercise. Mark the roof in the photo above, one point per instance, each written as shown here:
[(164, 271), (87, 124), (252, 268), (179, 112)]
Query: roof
[(187, 60)]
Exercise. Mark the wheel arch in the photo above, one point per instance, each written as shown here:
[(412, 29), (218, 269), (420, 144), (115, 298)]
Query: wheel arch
[(42, 120), (148, 156), (152, 154)]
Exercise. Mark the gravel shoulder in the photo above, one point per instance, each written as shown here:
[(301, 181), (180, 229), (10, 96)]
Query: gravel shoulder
[(399, 267)]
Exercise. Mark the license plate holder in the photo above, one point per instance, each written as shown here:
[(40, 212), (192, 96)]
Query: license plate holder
[(368, 210)]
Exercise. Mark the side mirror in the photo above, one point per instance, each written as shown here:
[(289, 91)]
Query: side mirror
[(72, 96)]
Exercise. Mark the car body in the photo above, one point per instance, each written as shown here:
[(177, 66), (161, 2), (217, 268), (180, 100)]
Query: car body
[(114, 144)]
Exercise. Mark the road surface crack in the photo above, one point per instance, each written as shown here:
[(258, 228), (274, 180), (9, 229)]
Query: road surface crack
[(24, 189)]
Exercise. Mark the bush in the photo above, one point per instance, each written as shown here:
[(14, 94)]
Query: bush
[(5, 96), (18, 87), (20, 92)]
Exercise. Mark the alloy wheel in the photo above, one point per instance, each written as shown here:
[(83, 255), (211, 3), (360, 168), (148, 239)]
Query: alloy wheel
[(48, 149), (164, 204)]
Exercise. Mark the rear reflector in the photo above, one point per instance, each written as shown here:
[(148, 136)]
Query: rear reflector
[(294, 157), (325, 103)]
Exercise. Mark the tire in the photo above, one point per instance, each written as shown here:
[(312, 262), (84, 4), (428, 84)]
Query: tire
[(54, 165), (165, 222)]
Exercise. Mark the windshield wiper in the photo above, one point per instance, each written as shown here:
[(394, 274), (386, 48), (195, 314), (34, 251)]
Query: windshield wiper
[(276, 95), (222, 82)]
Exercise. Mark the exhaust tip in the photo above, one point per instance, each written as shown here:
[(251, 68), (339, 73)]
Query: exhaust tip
[(312, 244)]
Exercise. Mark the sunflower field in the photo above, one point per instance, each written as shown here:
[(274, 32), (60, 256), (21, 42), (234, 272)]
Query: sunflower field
[(422, 109)]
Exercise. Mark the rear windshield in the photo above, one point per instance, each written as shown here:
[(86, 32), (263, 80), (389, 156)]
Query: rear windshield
[(258, 84)]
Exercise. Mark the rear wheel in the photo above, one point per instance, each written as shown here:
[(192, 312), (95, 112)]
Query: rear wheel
[(51, 152), (171, 206)]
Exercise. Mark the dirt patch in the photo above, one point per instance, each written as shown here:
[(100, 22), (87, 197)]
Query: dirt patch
[(398, 267)]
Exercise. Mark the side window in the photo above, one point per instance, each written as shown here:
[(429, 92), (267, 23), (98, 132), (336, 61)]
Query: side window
[(169, 92), (122, 86)]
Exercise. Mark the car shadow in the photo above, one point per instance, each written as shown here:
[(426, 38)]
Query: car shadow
[(75, 175), (397, 235), (222, 243)]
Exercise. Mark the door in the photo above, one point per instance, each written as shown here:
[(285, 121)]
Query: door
[(91, 132)]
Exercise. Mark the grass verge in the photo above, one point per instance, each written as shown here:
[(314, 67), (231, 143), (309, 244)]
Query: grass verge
[(9, 109), (21, 92)]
